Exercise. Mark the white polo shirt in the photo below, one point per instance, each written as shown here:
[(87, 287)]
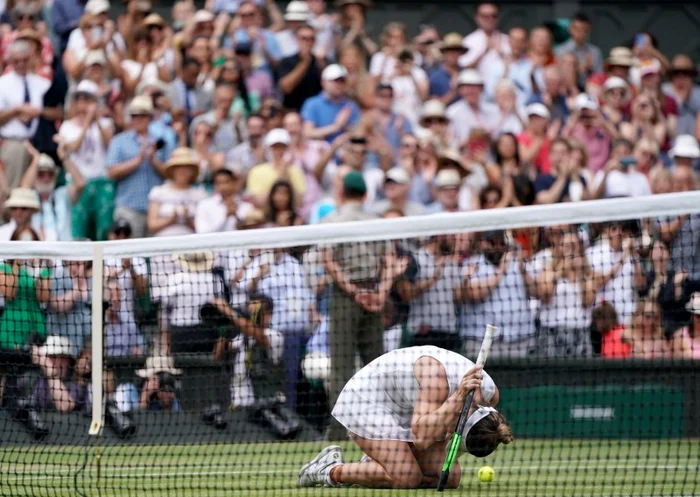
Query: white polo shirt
[(463, 119), (12, 95), (211, 216)]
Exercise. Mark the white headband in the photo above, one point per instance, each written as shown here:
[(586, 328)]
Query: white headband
[(475, 417)]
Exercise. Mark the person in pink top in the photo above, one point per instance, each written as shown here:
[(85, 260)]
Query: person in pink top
[(688, 338), (588, 125)]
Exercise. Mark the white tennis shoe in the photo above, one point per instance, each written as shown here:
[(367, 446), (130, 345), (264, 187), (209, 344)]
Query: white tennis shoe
[(318, 471)]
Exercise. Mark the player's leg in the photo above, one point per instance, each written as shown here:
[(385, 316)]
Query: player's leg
[(391, 464), (430, 462)]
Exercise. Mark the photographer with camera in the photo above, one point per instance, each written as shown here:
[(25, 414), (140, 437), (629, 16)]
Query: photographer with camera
[(258, 369), (159, 392), (56, 389)]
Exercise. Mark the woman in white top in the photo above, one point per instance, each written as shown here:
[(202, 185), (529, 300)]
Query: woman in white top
[(566, 289), (400, 410), (383, 63), (172, 205), (140, 64)]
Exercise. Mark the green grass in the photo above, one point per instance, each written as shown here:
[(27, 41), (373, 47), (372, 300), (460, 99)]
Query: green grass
[(537, 468)]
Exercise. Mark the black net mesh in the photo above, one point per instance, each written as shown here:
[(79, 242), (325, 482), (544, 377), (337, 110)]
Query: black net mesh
[(241, 372)]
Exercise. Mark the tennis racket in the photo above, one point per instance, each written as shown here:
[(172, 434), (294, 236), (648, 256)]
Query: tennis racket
[(456, 440)]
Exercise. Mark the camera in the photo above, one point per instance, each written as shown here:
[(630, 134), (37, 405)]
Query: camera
[(273, 414), (119, 421), (27, 413), (214, 416)]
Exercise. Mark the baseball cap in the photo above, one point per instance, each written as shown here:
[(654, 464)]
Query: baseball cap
[(87, 87), (448, 178), (94, 7), (277, 136), (121, 225), (334, 72), (537, 109), (46, 163), (141, 105), (353, 181), (297, 10), (94, 57), (397, 175), (470, 77), (203, 16), (585, 101), (615, 82)]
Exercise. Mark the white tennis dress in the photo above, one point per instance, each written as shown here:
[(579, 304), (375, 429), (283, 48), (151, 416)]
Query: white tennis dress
[(377, 403)]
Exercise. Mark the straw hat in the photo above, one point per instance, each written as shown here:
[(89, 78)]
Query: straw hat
[(182, 156), (158, 364), (154, 20), (620, 56), (29, 34), (23, 197), (196, 262), (432, 109), (56, 346), (693, 305), (453, 41), (451, 158), (141, 105), (682, 64)]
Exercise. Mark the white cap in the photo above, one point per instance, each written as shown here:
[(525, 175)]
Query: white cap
[(140, 105), (58, 346), (297, 10), (614, 82), (448, 178), (652, 67), (154, 83), (46, 163), (277, 136), (334, 72), (538, 109), (585, 101), (94, 7), (87, 87), (693, 305), (203, 16), (685, 146), (470, 77), (94, 57), (397, 175)]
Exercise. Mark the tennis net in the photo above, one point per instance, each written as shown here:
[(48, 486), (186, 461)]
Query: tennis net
[(210, 364)]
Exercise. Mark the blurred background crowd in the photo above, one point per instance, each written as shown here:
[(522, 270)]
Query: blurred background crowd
[(244, 115)]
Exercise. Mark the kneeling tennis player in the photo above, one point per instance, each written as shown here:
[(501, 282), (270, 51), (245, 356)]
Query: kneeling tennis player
[(400, 410)]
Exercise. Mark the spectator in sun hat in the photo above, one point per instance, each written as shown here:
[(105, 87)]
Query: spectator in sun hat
[(434, 119), (25, 18), (296, 15), (450, 159), (650, 84), (396, 187), (615, 100), (85, 139), (22, 204), (588, 126), (172, 205), (300, 73), (443, 79), (159, 391), (53, 221), (263, 176), (136, 164), (683, 89), (619, 62), (55, 390), (685, 151), (533, 142), (330, 113), (447, 185), (470, 111)]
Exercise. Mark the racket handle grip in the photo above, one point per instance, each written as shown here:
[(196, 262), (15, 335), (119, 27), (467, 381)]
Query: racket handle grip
[(443, 480)]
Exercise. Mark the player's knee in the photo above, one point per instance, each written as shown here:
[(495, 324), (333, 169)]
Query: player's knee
[(407, 479), (455, 477)]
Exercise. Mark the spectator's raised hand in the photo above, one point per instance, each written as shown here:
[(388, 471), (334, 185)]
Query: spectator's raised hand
[(343, 118)]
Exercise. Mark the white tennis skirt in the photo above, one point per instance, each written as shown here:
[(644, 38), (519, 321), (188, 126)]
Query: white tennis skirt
[(367, 411)]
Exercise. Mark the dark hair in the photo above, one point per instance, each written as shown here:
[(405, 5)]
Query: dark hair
[(223, 172), (497, 154), (490, 189), (487, 434), (581, 17), (605, 311), (353, 194), (618, 142), (266, 306), (303, 26), (524, 189), (19, 231), (189, 61), (272, 210)]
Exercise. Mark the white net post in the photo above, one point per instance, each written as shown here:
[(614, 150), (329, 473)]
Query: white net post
[(98, 400)]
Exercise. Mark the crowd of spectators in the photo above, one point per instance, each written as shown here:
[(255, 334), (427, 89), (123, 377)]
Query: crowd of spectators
[(241, 116)]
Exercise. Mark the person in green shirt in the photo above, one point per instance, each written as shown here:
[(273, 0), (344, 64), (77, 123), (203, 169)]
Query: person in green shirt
[(25, 285)]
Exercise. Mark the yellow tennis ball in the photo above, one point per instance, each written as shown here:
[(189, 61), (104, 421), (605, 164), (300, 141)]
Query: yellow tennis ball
[(486, 474)]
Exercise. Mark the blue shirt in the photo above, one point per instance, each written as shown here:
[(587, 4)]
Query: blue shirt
[(65, 15), (440, 83), (559, 108), (162, 128), (272, 48), (132, 190), (321, 112)]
